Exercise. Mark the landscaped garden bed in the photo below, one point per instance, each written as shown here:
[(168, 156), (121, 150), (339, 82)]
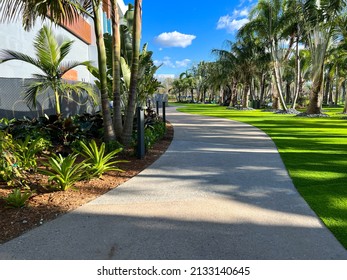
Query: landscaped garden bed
[(46, 201)]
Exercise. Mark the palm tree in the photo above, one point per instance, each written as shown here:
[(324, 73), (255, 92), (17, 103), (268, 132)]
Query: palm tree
[(29, 10), (95, 7), (320, 18), (188, 82), (129, 115), (116, 42), (49, 59), (227, 72), (269, 20), (177, 88), (341, 24)]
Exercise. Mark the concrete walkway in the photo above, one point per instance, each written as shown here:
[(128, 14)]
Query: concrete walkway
[(221, 191)]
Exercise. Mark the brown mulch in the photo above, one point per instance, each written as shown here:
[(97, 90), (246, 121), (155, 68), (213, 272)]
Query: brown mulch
[(44, 207)]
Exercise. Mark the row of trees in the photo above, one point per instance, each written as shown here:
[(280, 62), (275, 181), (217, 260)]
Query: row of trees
[(285, 45), (119, 55)]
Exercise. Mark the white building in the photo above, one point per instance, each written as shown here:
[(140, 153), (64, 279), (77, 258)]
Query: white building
[(14, 73)]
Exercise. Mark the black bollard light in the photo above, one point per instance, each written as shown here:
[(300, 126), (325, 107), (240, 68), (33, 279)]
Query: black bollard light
[(157, 103), (164, 113), (140, 132)]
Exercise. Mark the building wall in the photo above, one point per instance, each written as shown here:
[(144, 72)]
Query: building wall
[(15, 38), (14, 74)]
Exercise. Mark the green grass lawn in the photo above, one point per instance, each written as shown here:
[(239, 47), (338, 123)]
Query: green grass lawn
[(314, 151)]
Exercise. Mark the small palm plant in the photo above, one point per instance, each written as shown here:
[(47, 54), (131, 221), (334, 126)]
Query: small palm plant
[(63, 171), (49, 59), (97, 160)]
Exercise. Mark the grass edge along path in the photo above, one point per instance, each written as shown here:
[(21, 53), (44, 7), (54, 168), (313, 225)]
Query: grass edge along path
[(314, 151)]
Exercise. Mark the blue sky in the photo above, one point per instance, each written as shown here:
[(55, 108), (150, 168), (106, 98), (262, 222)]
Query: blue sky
[(183, 32)]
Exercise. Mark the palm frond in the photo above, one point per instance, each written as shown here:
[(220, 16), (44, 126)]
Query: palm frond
[(7, 55), (67, 66), (47, 49), (10, 10), (33, 89), (40, 77), (78, 88), (64, 49)]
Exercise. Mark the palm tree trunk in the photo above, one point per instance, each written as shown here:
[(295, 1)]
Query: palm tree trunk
[(297, 70), (316, 96), (337, 87), (245, 98), (129, 118), (345, 96), (57, 102), (117, 111), (233, 97), (277, 74), (109, 134), (262, 87)]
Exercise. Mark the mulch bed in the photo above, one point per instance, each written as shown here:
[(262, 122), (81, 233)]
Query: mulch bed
[(44, 207)]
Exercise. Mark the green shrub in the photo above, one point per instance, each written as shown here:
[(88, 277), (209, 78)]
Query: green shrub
[(26, 152), (9, 168), (18, 157), (63, 172), (97, 160), (17, 198), (153, 133)]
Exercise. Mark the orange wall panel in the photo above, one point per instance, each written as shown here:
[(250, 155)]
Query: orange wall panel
[(81, 29), (71, 75)]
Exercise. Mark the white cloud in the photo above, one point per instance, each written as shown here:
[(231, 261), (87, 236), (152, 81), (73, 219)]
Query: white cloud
[(183, 63), (241, 13), (231, 24), (238, 18), (162, 77), (174, 39), (166, 61)]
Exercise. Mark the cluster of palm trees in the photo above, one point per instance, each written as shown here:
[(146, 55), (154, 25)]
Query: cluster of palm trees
[(197, 84), (129, 68), (289, 50)]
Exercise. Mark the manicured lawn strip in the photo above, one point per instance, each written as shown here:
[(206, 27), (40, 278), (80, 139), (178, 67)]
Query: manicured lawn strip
[(314, 150)]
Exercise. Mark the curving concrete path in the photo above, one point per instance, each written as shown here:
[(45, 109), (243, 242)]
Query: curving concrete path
[(220, 191)]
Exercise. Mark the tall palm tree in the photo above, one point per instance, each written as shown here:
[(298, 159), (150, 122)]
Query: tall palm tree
[(341, 25), (320, 18), (50, 55), (130, 111), (269, 19), (95, 8), (116, 42), (228, 73)]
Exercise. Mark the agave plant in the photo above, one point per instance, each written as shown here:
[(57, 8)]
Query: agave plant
[(50, 54), (17, 198), (97, 160), (63, 171)]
